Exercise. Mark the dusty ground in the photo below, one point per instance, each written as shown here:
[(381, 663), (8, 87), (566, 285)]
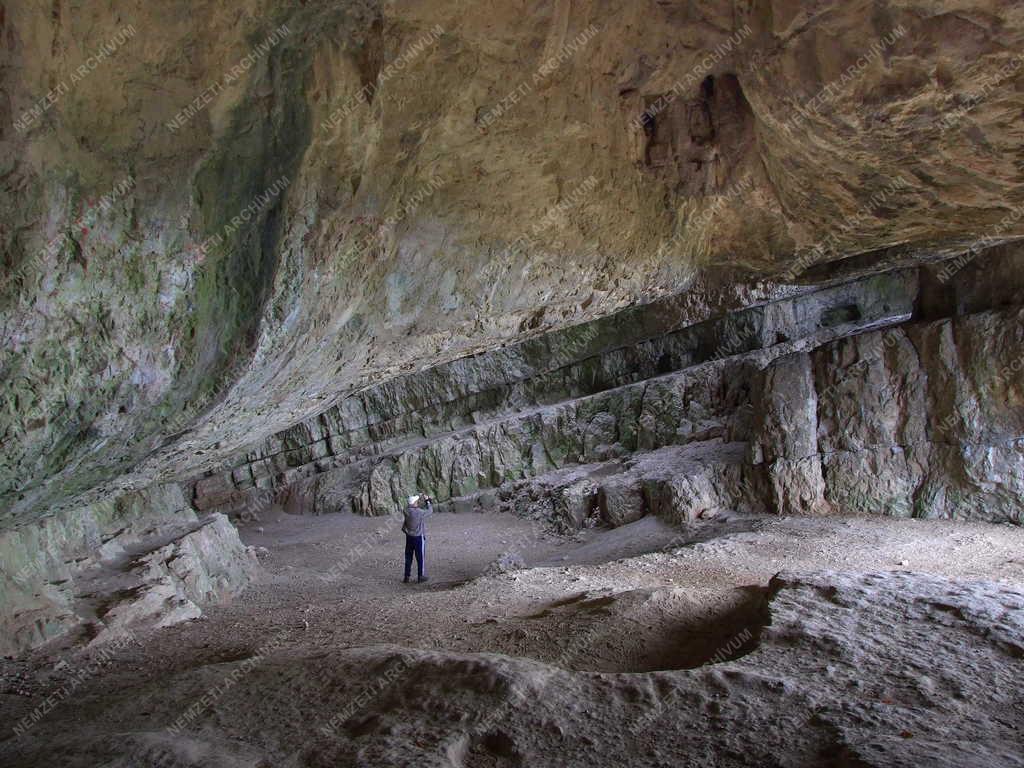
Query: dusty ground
[(331, 660)]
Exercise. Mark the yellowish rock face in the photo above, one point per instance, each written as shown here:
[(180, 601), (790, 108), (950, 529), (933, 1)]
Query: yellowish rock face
[(219, 220)]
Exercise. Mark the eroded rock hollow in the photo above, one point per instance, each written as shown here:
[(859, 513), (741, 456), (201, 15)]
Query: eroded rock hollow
[(700, 324)]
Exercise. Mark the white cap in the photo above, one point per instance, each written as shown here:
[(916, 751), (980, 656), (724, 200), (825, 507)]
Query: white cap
[(414, 500)]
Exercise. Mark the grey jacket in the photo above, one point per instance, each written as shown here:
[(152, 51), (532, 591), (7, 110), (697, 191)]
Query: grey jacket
[(415, 520)]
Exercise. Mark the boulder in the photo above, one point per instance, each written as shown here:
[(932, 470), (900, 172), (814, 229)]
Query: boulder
[(621, 500)]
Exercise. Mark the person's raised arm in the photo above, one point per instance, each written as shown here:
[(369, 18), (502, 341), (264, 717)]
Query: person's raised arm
[(430, 506)]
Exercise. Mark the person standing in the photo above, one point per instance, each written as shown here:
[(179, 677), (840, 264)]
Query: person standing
[(415, 528)]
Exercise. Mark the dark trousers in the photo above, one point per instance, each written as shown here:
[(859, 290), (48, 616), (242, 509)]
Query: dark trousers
[(415, 545)]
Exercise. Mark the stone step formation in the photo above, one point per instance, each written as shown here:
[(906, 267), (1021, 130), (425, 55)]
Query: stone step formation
[(876, 395)]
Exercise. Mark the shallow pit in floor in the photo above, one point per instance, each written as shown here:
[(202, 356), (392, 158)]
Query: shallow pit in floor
[(641, 630)]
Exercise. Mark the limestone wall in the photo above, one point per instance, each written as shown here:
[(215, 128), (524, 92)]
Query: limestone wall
[(247, 212), (130, 562), (850, 399)]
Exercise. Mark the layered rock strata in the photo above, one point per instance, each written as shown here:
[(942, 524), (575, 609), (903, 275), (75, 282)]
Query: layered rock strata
[(894, 393), (133, 562)]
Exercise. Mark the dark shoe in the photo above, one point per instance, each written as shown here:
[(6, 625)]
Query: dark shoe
[(421, 579), (405, 580)]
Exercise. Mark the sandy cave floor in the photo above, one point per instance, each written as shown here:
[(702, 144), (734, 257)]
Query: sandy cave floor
[(313, 640)]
